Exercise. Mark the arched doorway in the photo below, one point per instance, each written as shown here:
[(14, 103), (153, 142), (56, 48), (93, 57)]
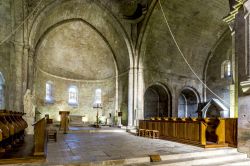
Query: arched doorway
[(188, 103), (157, 102)]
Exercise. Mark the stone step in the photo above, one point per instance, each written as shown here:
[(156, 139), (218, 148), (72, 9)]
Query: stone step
[(205, 153), (210, 157), (238, 163), (202, 160)]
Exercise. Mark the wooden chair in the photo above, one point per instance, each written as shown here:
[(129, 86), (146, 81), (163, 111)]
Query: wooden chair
[(142, 132), (149, 133), (51, 133), (156, 134)]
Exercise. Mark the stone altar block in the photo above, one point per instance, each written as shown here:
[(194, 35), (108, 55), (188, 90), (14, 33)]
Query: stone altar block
[(76, 120)]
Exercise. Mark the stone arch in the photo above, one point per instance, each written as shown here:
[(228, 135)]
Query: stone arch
[(103, 21), (188, 102), (44, 20), (157, 101)]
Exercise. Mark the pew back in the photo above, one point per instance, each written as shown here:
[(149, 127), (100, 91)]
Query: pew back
[(193, 130)]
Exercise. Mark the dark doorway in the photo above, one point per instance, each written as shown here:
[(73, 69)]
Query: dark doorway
[(157, 102), (188, 103)]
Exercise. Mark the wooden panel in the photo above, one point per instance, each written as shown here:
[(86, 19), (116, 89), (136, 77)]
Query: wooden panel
[(40, 138), (231, 125), (195, 131), (220, 131)]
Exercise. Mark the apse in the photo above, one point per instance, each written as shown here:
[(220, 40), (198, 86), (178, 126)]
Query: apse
[(75, 60)]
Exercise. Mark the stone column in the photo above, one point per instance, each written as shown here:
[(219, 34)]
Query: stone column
[(234, 86), (25, 62), (31, 70), (135, 95), (140, 94), (130, 97), (242, 53), (19, 81)]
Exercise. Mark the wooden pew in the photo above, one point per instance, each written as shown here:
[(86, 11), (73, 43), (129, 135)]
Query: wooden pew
[(12, 128), (208, 132)]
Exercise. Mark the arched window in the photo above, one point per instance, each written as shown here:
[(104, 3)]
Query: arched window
[(226, 69), (2, 83), (49, 92), (73, 95)]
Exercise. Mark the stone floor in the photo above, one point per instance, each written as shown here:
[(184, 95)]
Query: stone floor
[(85, 146)]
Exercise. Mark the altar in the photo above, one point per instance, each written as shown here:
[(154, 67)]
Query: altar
[(76, 120)]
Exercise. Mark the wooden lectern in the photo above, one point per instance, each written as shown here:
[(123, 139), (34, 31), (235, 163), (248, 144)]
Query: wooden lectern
[(64, 124)]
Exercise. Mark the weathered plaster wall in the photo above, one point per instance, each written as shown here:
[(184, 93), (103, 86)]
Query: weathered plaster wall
[(220, 86), (74, 50), (86, 92), (6, 49)]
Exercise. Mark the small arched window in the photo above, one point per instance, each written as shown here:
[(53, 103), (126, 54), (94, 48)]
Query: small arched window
[(49, 92), (2, 85), (98, 98), (73, 95), (226, 70)]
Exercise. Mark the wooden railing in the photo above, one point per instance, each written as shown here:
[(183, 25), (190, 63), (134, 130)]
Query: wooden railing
[(40, 138), (202, 132)]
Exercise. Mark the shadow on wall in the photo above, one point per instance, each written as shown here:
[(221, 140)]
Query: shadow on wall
[(124, 110)]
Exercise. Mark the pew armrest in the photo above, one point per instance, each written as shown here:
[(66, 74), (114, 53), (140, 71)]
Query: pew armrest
[(220, 131)]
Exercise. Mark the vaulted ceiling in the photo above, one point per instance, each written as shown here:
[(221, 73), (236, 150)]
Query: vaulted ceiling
[(197, 26)]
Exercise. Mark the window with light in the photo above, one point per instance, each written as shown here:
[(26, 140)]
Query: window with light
[(49, 92), (226, 69), (73, 95)]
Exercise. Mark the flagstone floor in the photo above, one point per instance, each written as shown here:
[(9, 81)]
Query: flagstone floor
[(91, 145)]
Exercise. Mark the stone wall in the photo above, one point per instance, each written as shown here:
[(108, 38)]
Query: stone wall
[(158, 55), (86, 94), (241, 36), (220, 86)]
